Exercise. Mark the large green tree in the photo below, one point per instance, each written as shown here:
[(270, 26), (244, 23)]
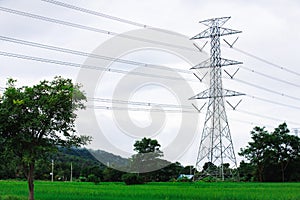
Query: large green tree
[(284, 148), (147, 157), (255, 152), (272, 154), (36, 120)]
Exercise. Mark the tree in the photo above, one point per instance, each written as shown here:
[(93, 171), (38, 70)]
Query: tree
[(147, 145), (147, 157), (111, 174), (255, 152), (35, 120), (246, 171), (273, 153), (285, 148)]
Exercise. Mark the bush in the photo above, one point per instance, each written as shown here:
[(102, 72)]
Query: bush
[(82, 179), (93, 178), (184, 179), (132, 179)]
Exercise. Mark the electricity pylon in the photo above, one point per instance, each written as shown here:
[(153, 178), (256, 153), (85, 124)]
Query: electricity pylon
[(216, 147)]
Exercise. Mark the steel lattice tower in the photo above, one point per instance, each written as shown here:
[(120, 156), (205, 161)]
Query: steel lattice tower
[(216, 147)]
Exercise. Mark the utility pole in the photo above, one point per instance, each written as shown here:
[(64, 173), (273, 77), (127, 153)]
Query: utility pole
[(216, 147), (52, 170), (71, 175)]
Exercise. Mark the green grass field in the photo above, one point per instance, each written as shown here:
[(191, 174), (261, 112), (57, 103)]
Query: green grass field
[(13, 190)]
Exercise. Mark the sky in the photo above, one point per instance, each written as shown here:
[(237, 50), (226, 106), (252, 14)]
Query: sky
[(269, 31)]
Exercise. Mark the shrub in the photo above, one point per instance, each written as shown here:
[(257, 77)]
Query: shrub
[(93, 178), (184, 179), (132, 179)]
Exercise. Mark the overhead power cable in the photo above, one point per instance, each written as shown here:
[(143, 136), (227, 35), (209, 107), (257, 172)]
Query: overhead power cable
[(164, 110), (85, 54), (268, 90), (95, 13), (264, 116), (268, 76), (267, 62), (20, 56), (83, 27), (125, 61), (139, 109), (138, 103), (58, 62), (273, 102), (103, 15), (101, 68), (122, 20), (79, 26)]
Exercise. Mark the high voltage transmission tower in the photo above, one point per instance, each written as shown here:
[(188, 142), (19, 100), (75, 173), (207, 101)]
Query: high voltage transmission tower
[(216, 148)]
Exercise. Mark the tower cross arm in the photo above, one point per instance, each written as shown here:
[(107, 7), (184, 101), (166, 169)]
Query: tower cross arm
[(208, 33), (210, 22), (225, 93), (231, 93), (223, 62), (228, 31), (204, 34)]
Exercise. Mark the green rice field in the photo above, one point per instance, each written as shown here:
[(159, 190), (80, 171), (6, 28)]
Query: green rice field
[(17, 190)]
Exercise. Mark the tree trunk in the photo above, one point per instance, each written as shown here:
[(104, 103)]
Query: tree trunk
[(260, 173), (30, 179)]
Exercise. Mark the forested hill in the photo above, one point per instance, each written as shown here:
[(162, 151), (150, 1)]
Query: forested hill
[(92, 156), (82, 161)]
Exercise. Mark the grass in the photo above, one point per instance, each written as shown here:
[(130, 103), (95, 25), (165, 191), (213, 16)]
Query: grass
[(14, 190)]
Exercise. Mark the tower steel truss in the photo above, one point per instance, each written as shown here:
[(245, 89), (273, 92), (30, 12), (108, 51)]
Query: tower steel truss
[(216, 148)]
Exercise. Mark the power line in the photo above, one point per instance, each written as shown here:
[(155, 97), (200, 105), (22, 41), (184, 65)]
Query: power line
[(138, 103), (251, 123), (268, 76), (264, 116), (99, 14), (110, 108), (166, 105), (20, 56), (267, 62), (122, 60), (79, 26), (58, 62), (141, 64), (266, 89), (103, 15), (273, 102), (139, 109), (81, 53)]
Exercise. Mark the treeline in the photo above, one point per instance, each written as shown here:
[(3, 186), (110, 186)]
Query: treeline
[(84, 168), (270, 157)]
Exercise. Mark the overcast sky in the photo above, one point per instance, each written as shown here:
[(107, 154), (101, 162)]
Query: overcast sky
[(270, 31)]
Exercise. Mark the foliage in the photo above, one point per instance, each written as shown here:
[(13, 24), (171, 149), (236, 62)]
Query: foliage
[(147, 145), (147, 157), (132, 179), (246, 171), (275, 156), (93, 178), (111, 174), (35, 120), (147, 161)]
